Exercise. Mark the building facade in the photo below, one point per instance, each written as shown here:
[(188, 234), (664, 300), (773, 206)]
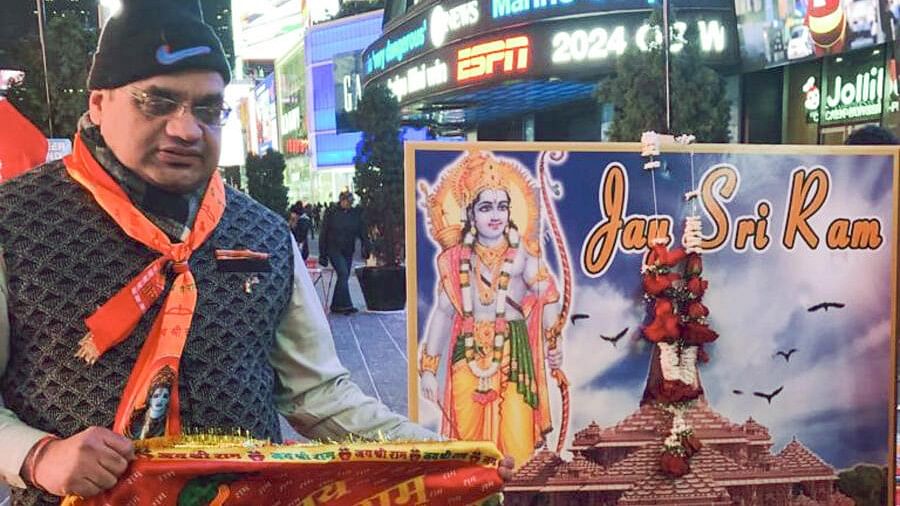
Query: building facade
[(332, 146), (815, 71), (512, 70)]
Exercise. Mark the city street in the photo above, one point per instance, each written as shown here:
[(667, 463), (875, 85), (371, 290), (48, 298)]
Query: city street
[(372, 345), (369, 344)]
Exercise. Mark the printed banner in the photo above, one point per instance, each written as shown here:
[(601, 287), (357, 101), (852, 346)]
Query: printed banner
[(709, 323), (194, 473)]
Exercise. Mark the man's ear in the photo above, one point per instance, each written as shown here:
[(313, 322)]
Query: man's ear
[(96, 102)]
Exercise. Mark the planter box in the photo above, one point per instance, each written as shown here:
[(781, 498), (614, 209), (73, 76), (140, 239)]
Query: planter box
[(384, 288)]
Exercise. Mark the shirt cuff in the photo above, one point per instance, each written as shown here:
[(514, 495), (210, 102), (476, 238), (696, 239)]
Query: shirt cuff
[(16, 441)]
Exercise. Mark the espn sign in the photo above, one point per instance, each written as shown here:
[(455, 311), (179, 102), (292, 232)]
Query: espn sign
[(482, 60)]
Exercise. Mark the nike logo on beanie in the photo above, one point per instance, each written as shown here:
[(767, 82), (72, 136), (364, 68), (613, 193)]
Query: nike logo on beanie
[(166, 56)]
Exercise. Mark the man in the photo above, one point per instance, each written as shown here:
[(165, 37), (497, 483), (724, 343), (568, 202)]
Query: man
[(130, 257), (341, 227), (300, 224), (873, 135)]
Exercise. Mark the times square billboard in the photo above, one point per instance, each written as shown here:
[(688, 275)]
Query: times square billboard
[(266, 29), (453, 45), (775, 32)]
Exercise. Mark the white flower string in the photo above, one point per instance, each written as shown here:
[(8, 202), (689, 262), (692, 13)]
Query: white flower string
[(689, 140), (650, 148), (680, 428)]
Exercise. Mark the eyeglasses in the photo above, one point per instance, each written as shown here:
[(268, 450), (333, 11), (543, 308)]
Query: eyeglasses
[(154, 105)]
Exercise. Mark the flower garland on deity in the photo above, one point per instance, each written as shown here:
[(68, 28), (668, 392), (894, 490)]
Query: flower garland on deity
[(484, 393)]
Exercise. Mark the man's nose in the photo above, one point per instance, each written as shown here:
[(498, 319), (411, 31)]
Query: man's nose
[(184, 126)]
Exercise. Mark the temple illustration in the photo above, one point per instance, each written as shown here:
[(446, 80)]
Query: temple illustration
[(619, 465)]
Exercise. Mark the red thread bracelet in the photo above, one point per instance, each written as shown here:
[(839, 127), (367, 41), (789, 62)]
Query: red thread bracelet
[(35, 454)]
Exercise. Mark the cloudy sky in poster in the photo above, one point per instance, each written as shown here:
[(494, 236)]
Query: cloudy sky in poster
[(836, 386)]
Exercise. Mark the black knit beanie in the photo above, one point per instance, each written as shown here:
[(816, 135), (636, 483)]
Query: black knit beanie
[(153, 37)]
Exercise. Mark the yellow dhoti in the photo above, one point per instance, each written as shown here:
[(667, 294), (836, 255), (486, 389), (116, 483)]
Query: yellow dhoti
[(508, 420), (503, 414)]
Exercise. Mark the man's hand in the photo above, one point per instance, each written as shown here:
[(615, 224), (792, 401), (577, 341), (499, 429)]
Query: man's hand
[(85, 464), (429, 385), (506, 468)]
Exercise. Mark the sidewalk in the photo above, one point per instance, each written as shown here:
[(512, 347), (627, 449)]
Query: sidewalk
[(371, 345)]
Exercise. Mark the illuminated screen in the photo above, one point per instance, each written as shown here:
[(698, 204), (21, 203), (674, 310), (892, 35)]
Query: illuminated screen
[(265, 29), (773, 32), (571, 48), (266, 120), (451, 21)]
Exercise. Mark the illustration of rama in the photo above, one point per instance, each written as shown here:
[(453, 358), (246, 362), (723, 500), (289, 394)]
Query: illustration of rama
[(496, 308), (149, 420)]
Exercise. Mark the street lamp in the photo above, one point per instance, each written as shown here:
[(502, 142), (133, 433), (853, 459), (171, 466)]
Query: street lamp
[(668, 68), (106, 9), (40, 12)]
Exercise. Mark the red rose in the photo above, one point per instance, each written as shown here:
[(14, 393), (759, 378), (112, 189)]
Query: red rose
[(694, 265), (702, 356), (697, 310), (655, 284), (698, 333), (665, 324), (676, 391), (661, 256), (697, 286), (691, 445), (663, 306), (674, 466)]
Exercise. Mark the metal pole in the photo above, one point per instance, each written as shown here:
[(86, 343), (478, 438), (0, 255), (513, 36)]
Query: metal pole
[(667, 71), (40, 12)]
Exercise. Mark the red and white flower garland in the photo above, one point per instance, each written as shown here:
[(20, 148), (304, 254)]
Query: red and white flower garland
[(679, 329)]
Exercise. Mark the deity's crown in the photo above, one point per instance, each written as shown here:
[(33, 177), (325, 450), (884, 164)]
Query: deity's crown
[(461, 182), (482, 173), (164, 378)]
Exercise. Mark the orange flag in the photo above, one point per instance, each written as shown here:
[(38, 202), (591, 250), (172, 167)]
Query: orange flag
[(22, 145)]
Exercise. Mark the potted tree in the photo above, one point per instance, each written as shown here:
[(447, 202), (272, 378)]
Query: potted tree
[(379, 183)]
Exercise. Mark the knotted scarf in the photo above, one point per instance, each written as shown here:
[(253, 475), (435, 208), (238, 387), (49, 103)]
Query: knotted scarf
[(157, 363)]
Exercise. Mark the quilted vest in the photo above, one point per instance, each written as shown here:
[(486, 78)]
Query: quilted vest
[(65, 257)]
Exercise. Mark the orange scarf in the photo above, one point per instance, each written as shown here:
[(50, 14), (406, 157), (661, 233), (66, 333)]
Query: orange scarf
[(157, 364)]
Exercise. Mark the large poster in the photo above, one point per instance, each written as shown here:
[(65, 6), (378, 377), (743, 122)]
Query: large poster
[(711, 323)]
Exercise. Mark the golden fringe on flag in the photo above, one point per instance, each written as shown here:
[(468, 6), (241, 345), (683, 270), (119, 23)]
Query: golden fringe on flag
[(224, 470)]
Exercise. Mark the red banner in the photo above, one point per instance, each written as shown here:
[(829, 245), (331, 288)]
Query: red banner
[(354, 474), (22, 145)]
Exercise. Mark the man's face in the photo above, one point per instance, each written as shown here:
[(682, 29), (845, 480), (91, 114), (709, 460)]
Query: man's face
[(491, 213), (346, 202), (159, 401), (177, 152)]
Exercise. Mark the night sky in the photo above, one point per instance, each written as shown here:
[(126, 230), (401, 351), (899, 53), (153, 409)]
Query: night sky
[(18, 19)]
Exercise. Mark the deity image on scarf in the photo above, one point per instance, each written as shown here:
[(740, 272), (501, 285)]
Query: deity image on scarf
[(486, 337), (149, 420)]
